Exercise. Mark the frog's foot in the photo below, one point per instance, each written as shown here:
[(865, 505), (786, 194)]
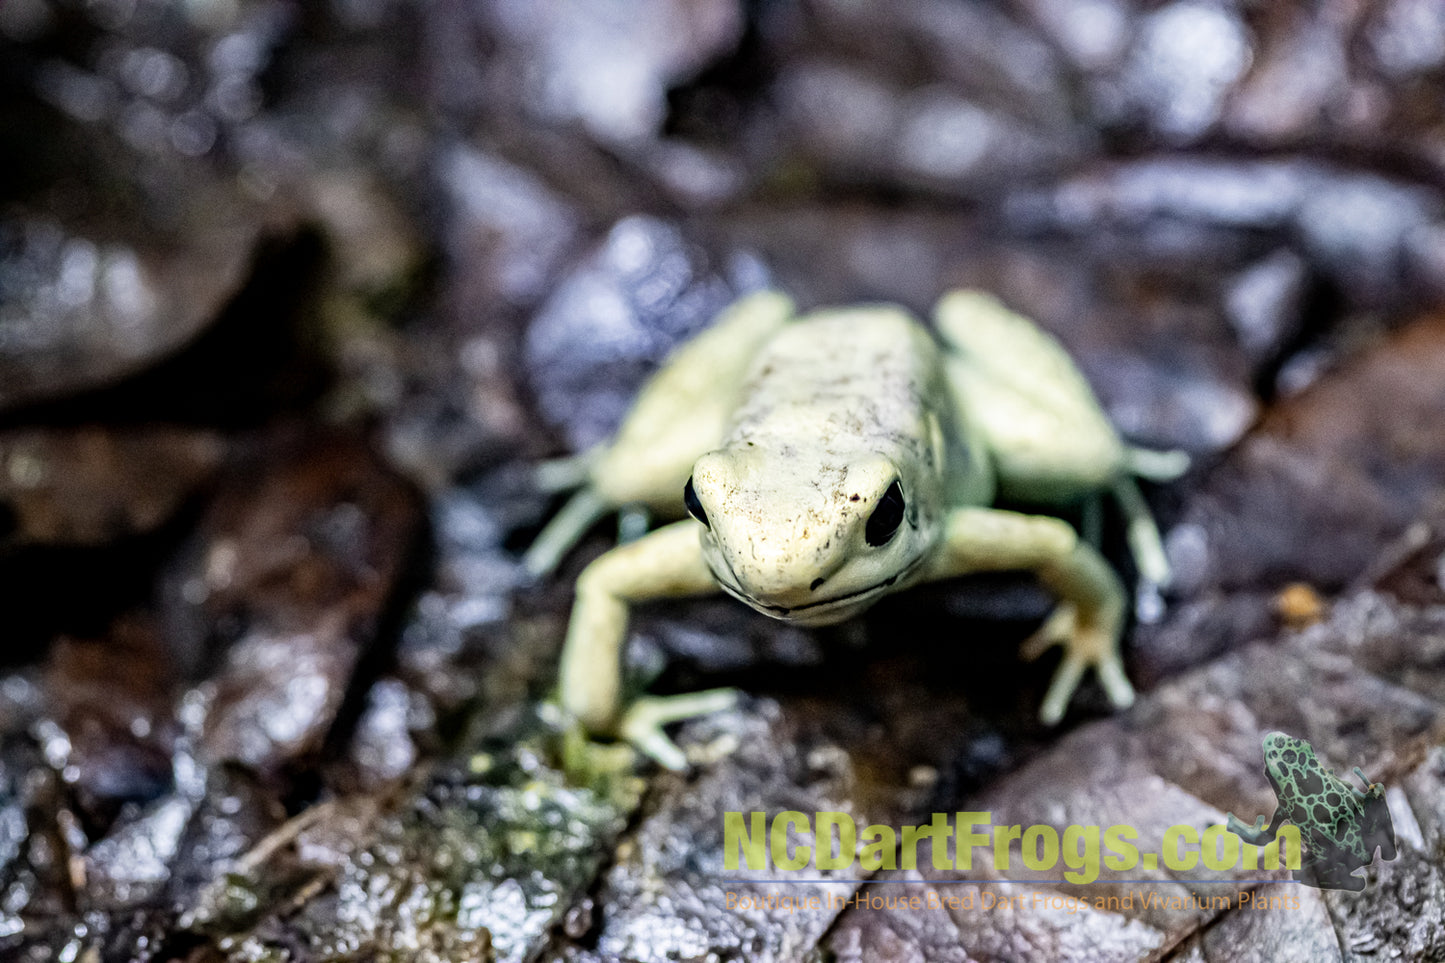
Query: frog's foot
[(1087, 644), (1254, 835), (642, 723)]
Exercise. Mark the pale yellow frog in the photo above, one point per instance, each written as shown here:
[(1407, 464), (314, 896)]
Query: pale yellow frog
[(830, 459)]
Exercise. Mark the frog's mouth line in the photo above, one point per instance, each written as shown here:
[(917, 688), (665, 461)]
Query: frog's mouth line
[(730, 586)]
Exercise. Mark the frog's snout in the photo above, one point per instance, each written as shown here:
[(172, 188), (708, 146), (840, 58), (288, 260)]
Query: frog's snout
[(780, 578), (1277, 740)]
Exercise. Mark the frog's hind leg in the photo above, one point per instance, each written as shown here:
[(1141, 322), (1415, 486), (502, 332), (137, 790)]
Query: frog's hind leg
[(554, 476), (1019, 390), (1142, 533), (566, 528), (1323, 873), (1048, 438), (585, 508), (679, 415), (1376, 825)]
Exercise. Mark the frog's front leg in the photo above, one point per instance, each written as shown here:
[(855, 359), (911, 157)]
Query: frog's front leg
[(1048, 438), (678, 415), (1376, 827), (667, 563), (1090, 615), (1258, 834)]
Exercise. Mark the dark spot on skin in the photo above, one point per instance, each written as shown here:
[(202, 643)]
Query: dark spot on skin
[(854, 498), (1289, 756), (1311, 784), (817, 583), (1321, 813), (1332, 798), (1299, 815)]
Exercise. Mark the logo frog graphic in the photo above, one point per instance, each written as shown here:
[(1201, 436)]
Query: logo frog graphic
[(1340, 826)]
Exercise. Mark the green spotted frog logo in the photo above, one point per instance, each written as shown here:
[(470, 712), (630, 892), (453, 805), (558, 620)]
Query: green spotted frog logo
[(1340, 826)]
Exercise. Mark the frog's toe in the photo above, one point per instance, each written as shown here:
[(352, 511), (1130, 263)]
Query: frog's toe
[(1370, 787), (1156, 465), (1352, 883), (1057, 629), (1061, 689), (652, 742), (642, 724), (633, 521), (1115, 682), (1148, 602)]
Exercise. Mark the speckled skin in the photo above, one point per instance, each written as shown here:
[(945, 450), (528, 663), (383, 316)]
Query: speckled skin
[(792, 430), (1340, 826), (835, 408)]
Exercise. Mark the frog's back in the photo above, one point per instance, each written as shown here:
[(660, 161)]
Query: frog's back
[(1323, 806), (843, 380)]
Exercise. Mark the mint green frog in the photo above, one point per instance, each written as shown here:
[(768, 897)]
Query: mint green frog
[(1340, 826), (829, 459)]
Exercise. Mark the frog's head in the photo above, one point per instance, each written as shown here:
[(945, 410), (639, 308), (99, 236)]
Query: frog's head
[(810, 537), (1288, 760)]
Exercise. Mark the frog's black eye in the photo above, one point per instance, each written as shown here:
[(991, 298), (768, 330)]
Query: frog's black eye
[(886, 518), (694, 507)]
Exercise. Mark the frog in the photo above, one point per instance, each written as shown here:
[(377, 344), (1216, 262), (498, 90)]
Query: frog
[(829, 458), (1340, 826)]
